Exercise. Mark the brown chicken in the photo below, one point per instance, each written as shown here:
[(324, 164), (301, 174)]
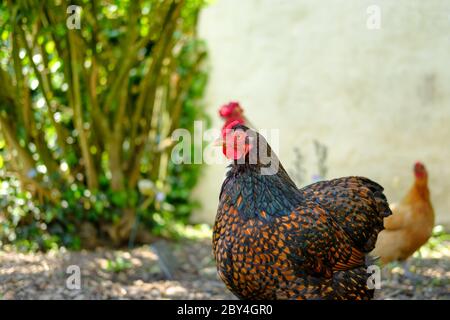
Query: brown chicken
[(274, 241), (411, 223)]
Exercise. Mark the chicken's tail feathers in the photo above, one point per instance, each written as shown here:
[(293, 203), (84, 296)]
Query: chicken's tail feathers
[(381, 201), (357, 204), (377, 200)]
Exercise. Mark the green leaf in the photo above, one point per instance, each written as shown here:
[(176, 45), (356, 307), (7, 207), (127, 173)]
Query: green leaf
[(119, 198)]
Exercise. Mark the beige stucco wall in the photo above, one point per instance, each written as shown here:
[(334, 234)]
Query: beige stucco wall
[(380, 99)]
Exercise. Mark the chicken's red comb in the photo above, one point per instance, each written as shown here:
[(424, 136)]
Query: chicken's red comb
[(227, 109)]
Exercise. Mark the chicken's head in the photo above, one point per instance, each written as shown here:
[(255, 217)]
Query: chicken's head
[(248, 149), (235, 141), (420, 172)]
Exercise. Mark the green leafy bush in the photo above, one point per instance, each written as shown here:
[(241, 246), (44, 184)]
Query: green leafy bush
[(86, 117)]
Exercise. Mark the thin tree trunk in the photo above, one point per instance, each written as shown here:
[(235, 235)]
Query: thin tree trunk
[(91, 174)]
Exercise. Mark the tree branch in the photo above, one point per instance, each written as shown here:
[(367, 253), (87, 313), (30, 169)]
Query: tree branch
[(91, 174)]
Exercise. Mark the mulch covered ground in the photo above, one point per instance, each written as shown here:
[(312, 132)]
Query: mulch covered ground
[(183, 270)]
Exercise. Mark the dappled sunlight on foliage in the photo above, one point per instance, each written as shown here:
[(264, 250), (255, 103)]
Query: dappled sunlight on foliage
[(86, 115)]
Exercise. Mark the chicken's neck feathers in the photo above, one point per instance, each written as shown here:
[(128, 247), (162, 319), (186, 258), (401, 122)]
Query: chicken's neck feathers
[(275, 195), (419, 192), (418, 200)]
